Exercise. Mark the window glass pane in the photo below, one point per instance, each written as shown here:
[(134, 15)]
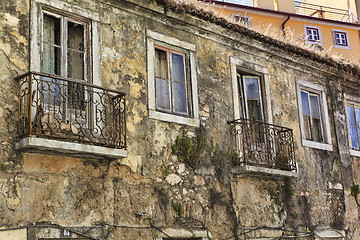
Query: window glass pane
[(353, 138), (305, 103), (253, 99), (76, 96), (75, 36), (317, 130), (51, 59), (252, 88), (357, 115), (307, 127), (350, 111), (51, 30), (314, 103), (179, 97), (254, 110), (161, 69), (51, 52), (75, 67), (178, 73), (162, 94)]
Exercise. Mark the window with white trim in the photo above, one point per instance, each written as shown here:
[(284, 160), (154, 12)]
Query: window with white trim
[(242, 19), (313, 113), (172, 81), (341, 39), (313, 35)]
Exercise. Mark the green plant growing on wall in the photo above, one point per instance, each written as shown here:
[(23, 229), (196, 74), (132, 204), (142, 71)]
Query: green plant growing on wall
[(355, 191), (189, 149), (2, 167), (177, 208)]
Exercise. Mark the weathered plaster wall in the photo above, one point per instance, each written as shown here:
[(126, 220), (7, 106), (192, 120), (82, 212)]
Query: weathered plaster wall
[(73, 192)]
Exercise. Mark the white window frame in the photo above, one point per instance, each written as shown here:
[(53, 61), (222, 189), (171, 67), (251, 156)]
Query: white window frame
[(353, 101), (341, 46), (152, 40), (318, 42), (320, 90), (248, 19)]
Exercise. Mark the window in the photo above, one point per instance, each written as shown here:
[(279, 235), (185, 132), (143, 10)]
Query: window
[(172, 81), (313, 115), (353, 114), (242, 19), (341, 39), (64, 53), (64, 48), (171, 85), (313, 35), (251, 97)]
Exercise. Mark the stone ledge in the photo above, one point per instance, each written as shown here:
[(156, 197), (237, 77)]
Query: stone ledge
[(78, 149), (255, 170)]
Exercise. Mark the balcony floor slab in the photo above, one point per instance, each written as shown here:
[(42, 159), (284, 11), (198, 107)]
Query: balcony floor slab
[(256, 170), (72, 148)]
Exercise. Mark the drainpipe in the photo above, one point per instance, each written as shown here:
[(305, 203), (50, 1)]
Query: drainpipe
[(283, 25)]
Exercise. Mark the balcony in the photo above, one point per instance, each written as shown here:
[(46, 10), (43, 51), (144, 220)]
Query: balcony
[(324, 12), (263, 147), (71, 116)]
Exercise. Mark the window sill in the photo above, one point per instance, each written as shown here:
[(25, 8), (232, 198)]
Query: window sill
[(75, 149), (317, 145), (341, 46), (354, 152), (167, 117), (262, 171)]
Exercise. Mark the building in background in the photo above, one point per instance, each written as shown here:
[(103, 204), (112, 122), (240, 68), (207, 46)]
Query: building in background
[(329, 25)]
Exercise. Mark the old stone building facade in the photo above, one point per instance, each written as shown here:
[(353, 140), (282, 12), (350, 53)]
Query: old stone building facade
[(128, 119)]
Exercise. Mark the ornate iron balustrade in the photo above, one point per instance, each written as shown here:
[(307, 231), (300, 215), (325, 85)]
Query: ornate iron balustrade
[(262, 144), (72, 110)]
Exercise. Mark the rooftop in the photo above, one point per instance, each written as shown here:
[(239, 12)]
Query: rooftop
[(300, 8)]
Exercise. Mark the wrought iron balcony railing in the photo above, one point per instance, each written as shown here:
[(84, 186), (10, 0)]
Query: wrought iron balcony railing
[(331, 13), (71, 110), (261, 144)]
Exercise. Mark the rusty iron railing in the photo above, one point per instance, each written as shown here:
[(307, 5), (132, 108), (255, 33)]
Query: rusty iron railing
[(72, 110), (261, 144), (314, 10)]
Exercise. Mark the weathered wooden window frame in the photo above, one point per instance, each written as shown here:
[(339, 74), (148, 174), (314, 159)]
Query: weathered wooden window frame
[(155, 39), (326, 144), (168, 50)]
